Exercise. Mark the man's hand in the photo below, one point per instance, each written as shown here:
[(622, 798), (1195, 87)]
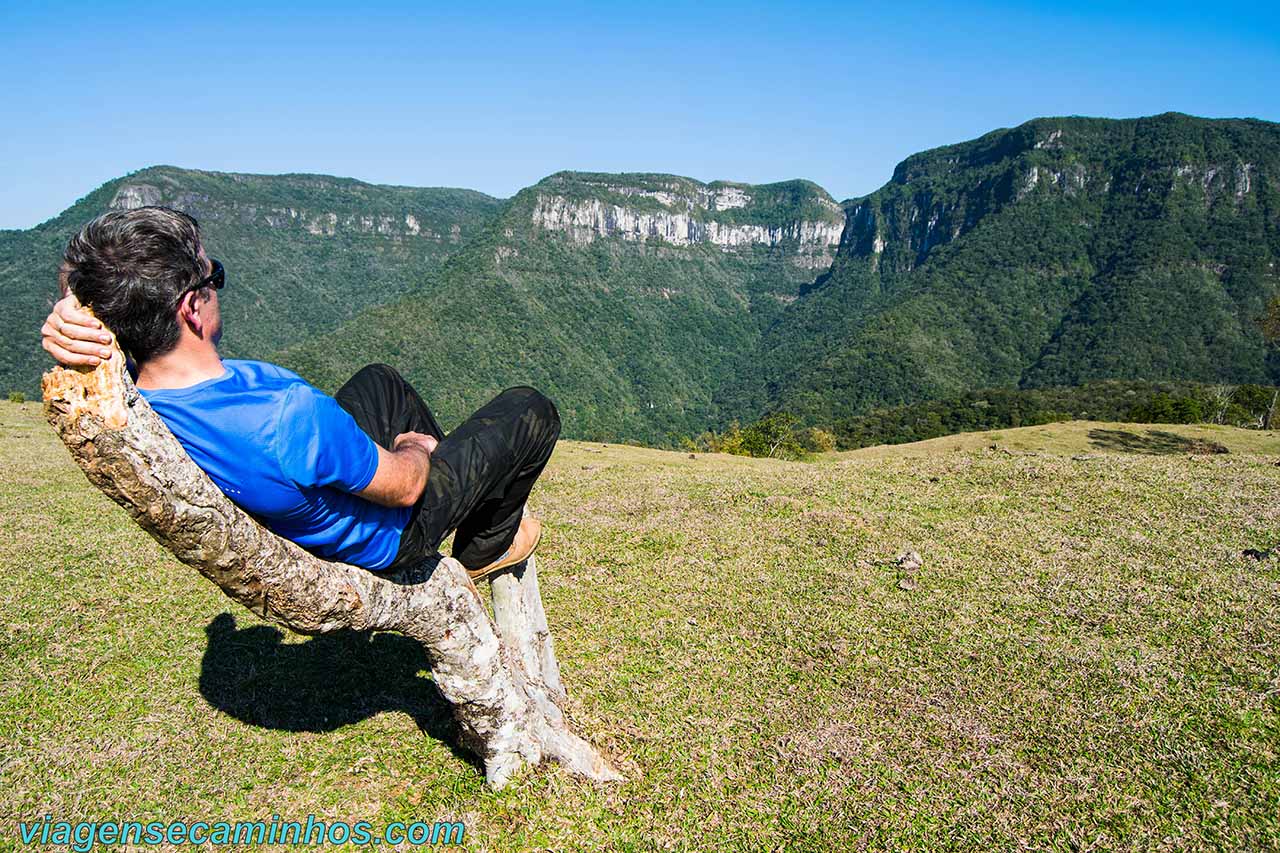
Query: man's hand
[(427, 442), (402, 471), (73, 337)]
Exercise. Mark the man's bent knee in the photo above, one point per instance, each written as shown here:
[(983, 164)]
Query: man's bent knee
[(531, 399), (379, 369), (377, 375)]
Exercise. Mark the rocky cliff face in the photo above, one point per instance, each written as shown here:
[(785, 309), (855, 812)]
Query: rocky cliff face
[(936, 197), (681, 212)]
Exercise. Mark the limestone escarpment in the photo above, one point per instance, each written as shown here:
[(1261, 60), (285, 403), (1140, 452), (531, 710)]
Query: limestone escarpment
[(682, 212)]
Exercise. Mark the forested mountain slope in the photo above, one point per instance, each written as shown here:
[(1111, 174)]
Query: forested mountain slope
[(1061, 251), (627, 298)]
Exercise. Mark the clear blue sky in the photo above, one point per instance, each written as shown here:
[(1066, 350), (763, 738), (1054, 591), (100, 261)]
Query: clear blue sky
[(497, 97)]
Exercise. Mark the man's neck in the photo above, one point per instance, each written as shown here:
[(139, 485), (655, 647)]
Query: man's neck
[(181, 367)]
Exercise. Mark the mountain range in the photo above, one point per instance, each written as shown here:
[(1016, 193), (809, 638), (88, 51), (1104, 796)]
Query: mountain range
[(1062, 251)]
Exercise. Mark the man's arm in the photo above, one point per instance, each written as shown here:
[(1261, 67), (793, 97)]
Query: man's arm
[(402, 471), (318, 443)]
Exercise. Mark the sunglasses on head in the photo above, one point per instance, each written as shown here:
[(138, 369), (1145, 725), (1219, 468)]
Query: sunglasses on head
[(216, 279)]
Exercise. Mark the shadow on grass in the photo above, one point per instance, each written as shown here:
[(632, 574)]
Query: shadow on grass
[(322, 683), (1153, 441)]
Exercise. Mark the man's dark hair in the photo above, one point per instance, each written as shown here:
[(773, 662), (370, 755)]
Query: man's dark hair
[(132, 268)]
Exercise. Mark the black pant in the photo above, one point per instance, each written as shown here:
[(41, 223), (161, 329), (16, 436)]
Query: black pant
[(481, 473)]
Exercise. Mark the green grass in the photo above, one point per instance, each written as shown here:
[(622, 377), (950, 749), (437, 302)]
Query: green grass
[(1084, 661)]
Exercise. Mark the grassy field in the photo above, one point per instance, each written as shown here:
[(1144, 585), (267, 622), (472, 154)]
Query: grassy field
[(1085, 660)]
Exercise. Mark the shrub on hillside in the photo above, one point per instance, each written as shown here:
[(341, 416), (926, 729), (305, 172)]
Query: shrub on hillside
[(776, 435), (818, 440)]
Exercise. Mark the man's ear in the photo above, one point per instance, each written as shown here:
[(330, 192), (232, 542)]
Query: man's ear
[(189, 311)]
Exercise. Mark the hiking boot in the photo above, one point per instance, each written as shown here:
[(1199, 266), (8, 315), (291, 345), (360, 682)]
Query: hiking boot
[(521, 548)]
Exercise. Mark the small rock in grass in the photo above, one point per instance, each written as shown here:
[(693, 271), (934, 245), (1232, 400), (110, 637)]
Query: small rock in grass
[(909, 561)]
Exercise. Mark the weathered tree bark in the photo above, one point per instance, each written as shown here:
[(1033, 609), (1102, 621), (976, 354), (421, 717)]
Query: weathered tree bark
[(517, 608), (503, 681)]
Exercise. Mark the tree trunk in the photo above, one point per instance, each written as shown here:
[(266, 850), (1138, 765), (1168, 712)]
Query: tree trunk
[(502, 680)]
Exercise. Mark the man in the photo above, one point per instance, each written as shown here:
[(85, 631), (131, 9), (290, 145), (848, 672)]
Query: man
[(366, 477)]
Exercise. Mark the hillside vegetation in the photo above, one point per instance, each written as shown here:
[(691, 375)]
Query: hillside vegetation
[(1058, 252), (608, 292), (1085, 660)]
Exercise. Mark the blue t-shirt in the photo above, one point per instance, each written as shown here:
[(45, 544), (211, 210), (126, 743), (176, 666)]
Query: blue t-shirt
[(289, 455)]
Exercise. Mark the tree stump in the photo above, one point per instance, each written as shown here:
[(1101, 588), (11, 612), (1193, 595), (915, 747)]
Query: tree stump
[(501, 678)]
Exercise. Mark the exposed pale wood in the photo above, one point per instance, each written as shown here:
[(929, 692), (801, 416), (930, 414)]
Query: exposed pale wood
[(506, 702), (517, 608)]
